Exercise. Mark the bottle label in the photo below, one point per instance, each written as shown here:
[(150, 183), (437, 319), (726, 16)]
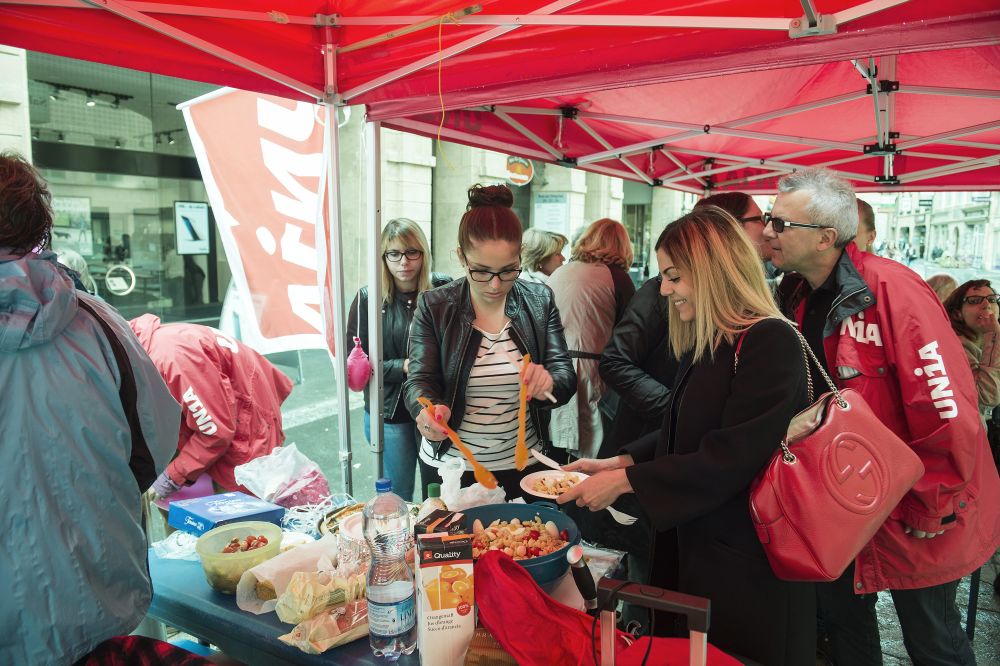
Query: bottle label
[(391, 620)]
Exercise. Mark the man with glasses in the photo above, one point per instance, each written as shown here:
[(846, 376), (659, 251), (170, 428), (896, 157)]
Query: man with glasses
[(882, 331)]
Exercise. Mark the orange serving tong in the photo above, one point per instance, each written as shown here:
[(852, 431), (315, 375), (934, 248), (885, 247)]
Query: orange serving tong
[(521, 451), (483, 475)]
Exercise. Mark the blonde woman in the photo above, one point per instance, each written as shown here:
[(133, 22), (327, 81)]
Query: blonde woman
[(724, 423), (406, 272), (541, 254), (592, 292)]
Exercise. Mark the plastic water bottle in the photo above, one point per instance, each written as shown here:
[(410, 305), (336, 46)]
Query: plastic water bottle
[(392, 616)]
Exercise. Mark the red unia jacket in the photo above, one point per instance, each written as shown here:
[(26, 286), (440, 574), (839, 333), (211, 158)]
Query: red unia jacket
[(230, 398), (900, 353)]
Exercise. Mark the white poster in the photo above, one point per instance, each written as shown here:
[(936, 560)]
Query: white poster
[(551, 213), (191, 220)]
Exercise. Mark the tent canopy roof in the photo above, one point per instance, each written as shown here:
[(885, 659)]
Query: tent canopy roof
[(406, 60)]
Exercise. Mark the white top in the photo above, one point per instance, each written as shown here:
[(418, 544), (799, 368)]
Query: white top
[(489, 426)]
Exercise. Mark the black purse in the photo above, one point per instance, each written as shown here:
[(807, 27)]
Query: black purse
[(141, 460)]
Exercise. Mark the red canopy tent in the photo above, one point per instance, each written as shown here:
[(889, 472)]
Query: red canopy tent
[(669, 92)]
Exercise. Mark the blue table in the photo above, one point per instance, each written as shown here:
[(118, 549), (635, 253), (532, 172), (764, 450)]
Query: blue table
[(183, 599)]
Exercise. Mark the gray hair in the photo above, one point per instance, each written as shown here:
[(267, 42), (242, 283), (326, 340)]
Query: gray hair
[(833, 203)]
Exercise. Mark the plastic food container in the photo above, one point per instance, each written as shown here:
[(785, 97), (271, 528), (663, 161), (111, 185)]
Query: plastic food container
[(547, 568), (223, 570)]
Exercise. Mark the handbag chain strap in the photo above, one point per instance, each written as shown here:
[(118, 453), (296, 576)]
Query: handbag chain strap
[(807, 354)]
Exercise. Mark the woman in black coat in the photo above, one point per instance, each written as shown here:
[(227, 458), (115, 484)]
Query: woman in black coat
[(724, 422)]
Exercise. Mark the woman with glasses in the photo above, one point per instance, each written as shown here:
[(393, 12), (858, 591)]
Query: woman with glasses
[(972, 310), (742, 377), (406, 272), (468, 343)]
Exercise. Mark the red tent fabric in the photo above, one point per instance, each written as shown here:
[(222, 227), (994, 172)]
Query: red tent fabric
[(708, 64)]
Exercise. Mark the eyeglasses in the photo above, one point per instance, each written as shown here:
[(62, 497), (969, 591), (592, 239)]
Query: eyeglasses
[(752, 218), (779, 224), (395, 256), (976, 300), (508, 275)]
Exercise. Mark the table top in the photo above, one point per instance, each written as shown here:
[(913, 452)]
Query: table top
[(183, 599)]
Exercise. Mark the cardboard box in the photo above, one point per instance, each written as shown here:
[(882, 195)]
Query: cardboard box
[(200, 514), (441, 521), (445, 598)]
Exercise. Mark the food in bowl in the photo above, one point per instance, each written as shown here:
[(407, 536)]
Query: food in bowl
[(521, 540), (224, 569), (252, 542), (556, 484)]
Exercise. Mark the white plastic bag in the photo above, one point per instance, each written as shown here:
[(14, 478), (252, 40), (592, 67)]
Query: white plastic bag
[(285, 477), (458, 498), (177, 546)]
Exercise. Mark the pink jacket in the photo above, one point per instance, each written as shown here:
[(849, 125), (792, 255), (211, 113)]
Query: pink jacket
[(888, 337), (230, 398)]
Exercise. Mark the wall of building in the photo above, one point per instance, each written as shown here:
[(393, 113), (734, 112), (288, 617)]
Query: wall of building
[(15, 129)]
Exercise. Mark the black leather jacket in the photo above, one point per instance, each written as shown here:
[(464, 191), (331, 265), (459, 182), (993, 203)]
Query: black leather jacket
[(443, 346), (639, 366), (396, 318)]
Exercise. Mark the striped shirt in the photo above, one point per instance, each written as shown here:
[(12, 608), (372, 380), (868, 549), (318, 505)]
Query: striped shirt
[(489, 427)]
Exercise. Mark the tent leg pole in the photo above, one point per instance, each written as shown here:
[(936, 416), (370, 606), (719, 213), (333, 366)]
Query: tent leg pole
[(336, 253), (373, 141)]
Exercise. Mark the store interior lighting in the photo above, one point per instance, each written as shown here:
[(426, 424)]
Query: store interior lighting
[(92, 95)]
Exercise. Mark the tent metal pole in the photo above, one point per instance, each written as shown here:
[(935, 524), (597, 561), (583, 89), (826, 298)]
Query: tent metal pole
[(810, 13), (865, 9), (950, 169), (951, 134), (706, 129), (373, 141), (888, 65), (953, 92), (599, 139), (336, 254), (537, 140), (633, 21), (670, 156), (126, 12), (444, 54), (428, 129)]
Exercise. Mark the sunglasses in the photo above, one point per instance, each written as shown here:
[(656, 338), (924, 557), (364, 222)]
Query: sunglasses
[(779, 223), (395, 256), (752, 218), (976, 300)]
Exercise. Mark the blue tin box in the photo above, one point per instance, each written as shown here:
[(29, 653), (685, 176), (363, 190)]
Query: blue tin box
[(200, 514)]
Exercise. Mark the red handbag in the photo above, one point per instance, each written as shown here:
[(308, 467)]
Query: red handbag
[(838, 475)]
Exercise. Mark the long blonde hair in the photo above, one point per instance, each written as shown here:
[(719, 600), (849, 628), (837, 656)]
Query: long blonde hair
[(605, 241), (410, 235), (730, 293)]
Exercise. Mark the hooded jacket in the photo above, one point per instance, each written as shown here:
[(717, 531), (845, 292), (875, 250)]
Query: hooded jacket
[(230, 398), (887, 336), (74, 555)]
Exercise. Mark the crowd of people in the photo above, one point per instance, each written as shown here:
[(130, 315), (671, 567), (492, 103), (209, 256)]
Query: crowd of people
[(671, 398)]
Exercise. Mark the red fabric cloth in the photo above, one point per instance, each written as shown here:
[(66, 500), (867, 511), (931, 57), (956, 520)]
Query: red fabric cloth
[(230, 398), (140, 651), (915, 376), (534, 628), (538, 631)]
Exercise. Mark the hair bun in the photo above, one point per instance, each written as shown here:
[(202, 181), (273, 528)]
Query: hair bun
[(490, 195)]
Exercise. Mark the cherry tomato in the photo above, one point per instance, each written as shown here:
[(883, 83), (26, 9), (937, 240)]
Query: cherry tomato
[(564, 535)]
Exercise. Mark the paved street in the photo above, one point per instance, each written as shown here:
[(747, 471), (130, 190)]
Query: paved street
[(310, 422)]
